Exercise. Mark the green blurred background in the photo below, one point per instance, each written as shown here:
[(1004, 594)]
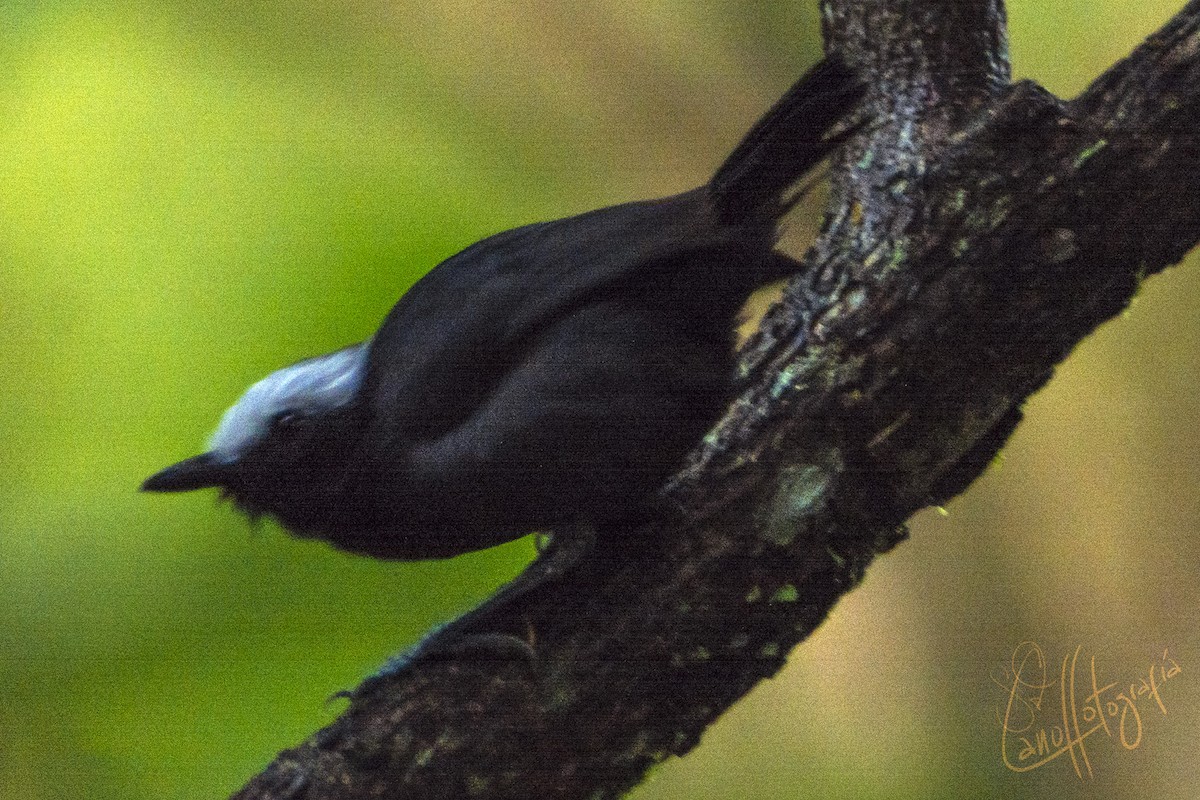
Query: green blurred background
[(192, 195)]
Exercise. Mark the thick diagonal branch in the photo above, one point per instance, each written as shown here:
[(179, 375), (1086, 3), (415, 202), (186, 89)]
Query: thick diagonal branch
[(978, 233)]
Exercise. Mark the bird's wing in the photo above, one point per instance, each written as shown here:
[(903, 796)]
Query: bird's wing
[(462, 327)]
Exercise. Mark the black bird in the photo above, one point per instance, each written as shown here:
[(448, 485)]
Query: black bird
[(547, 375)]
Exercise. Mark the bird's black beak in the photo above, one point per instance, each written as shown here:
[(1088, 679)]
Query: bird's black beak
[(199, 472)]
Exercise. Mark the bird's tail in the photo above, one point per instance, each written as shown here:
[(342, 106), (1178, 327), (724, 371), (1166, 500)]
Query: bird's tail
[(787, 142)]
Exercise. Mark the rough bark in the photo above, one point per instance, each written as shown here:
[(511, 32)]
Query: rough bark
[(976, 234)]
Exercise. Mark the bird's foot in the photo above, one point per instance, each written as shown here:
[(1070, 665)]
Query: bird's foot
[(481, 634)]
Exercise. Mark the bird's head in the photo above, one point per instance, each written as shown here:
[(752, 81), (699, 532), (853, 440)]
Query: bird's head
[(286, 448)]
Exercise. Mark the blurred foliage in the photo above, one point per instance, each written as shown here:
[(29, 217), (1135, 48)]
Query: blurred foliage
[(193, 195)]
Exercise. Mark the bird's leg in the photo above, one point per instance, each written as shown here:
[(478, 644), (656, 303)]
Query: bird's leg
[(481, 630)]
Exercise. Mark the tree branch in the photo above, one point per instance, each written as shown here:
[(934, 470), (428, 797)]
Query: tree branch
[(975, 237)]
